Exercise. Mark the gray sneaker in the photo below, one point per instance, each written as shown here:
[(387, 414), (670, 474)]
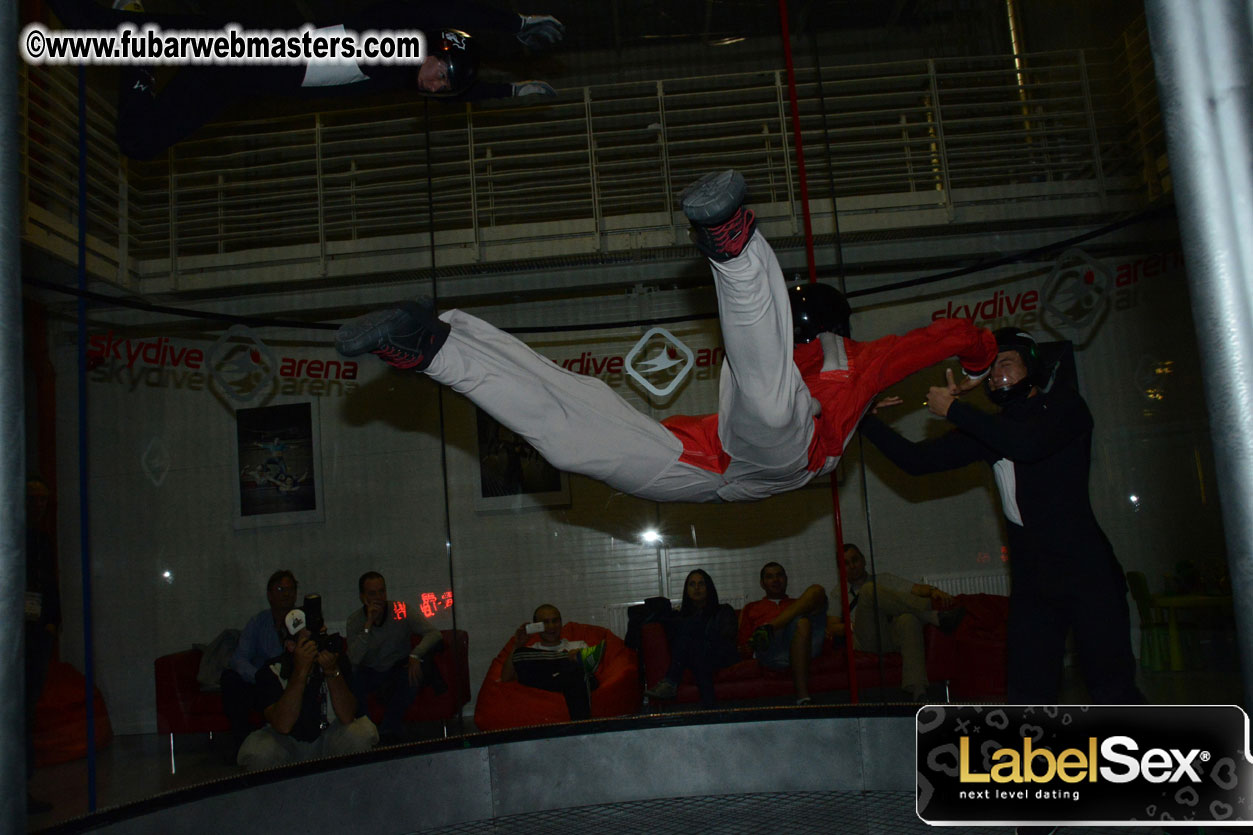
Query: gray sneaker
[(714, 197), (721, 225), (407, 336)]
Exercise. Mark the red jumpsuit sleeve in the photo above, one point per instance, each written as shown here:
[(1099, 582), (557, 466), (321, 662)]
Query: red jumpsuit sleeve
[(893, 358)]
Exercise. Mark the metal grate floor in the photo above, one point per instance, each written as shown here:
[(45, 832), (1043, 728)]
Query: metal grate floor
[(796, 813)]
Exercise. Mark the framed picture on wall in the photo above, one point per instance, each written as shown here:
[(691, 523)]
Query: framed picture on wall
[(280, 478), (512, 474)]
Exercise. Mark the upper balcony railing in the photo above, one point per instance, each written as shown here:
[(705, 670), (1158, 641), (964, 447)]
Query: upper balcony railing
[(353, 191)]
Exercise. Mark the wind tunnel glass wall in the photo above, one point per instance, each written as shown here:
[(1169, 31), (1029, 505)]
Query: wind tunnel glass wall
[(216, 456)]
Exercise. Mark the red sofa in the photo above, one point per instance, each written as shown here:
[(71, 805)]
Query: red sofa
[(971, 659), (508, 704), (183, 708), (974, 658)]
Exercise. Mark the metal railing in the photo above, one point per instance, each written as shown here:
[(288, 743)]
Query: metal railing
[(1135, 91), (597, 168)]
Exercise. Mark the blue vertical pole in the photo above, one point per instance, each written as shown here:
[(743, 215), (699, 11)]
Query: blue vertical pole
[(12, 449), (89, 667)]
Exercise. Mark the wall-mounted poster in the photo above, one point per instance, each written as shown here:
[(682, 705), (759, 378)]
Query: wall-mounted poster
[(512, 474), (279, 466)]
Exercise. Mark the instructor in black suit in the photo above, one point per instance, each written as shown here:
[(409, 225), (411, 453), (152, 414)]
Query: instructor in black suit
[(1063, 569)]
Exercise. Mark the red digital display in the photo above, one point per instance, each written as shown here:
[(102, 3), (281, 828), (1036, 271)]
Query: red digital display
[(432, 602), (399, 610)]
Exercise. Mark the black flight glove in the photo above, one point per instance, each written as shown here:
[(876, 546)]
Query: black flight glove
[(540, 31)]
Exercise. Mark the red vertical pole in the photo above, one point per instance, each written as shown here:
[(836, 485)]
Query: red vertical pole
[(838, 524), (813, 277), (797, 142)]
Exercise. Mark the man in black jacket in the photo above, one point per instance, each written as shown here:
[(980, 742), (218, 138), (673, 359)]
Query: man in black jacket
[(1064, 572)]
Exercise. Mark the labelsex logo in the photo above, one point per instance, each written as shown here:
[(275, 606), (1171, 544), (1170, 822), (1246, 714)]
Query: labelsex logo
[(1073, 765), (1090, 764)]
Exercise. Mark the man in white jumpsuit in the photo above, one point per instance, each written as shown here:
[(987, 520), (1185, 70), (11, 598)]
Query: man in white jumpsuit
[(785, 411)]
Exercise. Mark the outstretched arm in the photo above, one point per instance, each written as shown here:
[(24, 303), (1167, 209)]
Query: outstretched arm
[(893, 358), (533, 31), (1028, 440), (948, 452), (482, 90)]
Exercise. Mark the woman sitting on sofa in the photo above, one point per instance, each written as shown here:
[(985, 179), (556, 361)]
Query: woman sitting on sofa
[(702, 638)]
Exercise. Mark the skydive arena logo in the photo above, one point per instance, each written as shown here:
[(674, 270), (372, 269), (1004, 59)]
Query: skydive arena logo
[(239, 366), (1077, 295), (243, 367), (669, 367), (1084, 765)]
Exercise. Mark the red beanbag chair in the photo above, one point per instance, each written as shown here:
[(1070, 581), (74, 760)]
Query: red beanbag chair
[(61, 717), (508, 704)]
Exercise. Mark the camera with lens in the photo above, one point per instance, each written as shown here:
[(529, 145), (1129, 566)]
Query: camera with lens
[(309, 616)]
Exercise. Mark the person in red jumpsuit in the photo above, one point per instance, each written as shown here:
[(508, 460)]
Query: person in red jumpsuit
[(792, 390)]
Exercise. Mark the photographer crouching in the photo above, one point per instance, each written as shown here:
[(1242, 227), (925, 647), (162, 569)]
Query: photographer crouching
[(307, 694)]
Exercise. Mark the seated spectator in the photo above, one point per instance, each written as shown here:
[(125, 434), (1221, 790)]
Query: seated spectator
[(309, 707), (553, 663), (260, 642), (380, 654), (903, 608), (702, 639), (783, 632)]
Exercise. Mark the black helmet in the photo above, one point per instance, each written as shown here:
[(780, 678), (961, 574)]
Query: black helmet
[(817, 308), (460, 55), (1012, 339)]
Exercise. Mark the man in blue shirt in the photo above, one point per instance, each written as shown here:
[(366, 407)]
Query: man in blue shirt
[(261, 641)]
